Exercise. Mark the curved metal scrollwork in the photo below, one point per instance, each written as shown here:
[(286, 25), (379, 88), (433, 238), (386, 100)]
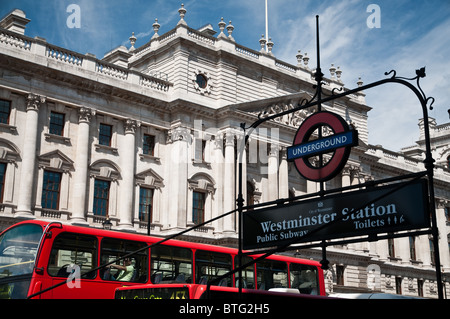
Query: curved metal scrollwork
[(420, 73)]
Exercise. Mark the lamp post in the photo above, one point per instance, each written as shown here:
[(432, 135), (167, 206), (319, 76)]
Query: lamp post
[(149, 219), (107, 225)]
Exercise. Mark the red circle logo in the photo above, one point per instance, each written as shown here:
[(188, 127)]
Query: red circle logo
[(339, 142)]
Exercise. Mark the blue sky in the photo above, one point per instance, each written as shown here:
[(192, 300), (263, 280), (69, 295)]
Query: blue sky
[(412, 34)]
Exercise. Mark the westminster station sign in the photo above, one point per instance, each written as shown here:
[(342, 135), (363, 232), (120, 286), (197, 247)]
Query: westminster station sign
[(401, 206)]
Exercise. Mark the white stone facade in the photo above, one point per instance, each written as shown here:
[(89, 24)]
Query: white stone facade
[(188, 91)]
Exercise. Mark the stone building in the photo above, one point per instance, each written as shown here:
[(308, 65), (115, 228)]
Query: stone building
[(153, 132)]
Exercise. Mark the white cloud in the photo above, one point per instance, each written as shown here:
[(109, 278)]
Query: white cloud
[(402, 110)]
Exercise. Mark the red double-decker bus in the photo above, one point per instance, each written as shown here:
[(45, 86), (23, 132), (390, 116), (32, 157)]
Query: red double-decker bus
[(40, 259)]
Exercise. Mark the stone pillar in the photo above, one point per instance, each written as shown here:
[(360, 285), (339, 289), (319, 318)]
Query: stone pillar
[(423, 250), (128, 160), (178, 175), (80, 190), (346, 176), (33, 103), (382, 249), (444, 252), (403, 249), (217, 166), (283, 176), (229, 197), (272, 172)]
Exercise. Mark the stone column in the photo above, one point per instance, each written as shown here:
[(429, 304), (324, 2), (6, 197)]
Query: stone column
[(229, 197), (178, 175), (423, 250), (283, 175), (217, 166), (128, 160), (346, 176), (272, 172), (444, 252), (33, 103), (403, 251), (80, 183)]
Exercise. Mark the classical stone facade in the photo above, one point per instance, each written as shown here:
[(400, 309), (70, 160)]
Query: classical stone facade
[(154, 131)]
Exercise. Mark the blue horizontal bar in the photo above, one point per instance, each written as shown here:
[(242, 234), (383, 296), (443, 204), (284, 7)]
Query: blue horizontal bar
[(321, 146)]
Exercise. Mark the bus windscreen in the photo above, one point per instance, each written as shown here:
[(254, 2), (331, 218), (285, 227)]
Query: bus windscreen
[(18, 249)]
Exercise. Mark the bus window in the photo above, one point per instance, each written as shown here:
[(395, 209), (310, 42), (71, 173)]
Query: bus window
[(248, 273), (304, 278), (271, 274), (73, 249), (171, 265), (113, 249), (210, 265), (18, 248)]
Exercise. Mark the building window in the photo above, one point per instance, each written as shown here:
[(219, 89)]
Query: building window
[(50, 190), (391, 248), (149, 145), (433, 260), (201, 81), (198, 207), (56, 124), (5, 110), (2, 180), (412, 247), (105, 135), (420, 287), (398, 285), (145, 204), (339, 275), (203, 150), (101, 197)]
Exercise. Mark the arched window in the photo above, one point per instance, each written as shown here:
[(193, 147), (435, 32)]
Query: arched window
[(149, 184), (103, 188), (202, 189), (53, 182), (9, 155)]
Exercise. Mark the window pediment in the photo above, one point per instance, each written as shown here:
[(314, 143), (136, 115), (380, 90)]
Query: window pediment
[(149, 178), (56, 160), (202, 182), (8, 151), (105, 169)]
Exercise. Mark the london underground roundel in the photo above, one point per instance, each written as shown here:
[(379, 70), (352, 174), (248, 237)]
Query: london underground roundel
[(339, 143)]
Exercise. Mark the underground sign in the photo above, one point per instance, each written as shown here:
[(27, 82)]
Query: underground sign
[(340, 143)]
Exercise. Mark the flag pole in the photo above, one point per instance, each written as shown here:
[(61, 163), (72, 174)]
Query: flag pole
[(267, 26)]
